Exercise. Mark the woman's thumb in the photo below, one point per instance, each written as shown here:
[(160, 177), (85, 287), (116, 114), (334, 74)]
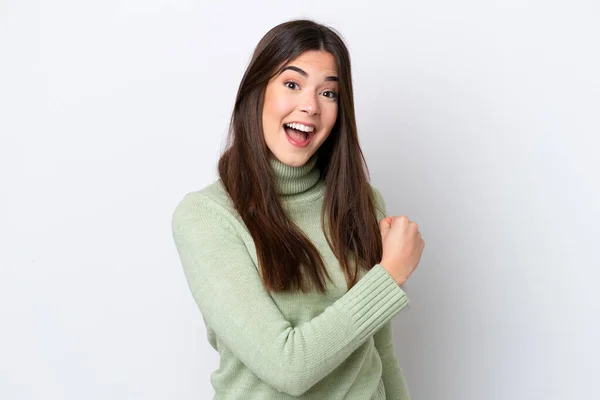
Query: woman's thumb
[(384, 225)]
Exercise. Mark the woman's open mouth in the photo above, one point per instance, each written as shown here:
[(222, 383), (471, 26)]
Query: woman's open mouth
[(296, 136)]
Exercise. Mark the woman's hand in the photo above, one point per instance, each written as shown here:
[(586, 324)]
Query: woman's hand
[(402, 247)]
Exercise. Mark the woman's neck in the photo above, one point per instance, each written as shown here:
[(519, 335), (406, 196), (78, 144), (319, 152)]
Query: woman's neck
[(297, 183)]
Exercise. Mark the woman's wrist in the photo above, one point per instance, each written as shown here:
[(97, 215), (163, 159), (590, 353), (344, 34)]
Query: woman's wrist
[(400, 280)]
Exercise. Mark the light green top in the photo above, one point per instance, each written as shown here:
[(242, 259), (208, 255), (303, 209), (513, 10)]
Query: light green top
[(336, 345)]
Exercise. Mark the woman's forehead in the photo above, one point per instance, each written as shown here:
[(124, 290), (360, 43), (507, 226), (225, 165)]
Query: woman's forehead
[(312, 62)]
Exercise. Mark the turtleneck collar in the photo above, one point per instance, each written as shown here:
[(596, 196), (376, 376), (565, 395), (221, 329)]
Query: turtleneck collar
[(301, 183)]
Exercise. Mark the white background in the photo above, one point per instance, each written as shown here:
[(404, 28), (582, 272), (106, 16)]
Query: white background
[(478, 119)]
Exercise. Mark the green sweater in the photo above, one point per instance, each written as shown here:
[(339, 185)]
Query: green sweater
[(336, 345)]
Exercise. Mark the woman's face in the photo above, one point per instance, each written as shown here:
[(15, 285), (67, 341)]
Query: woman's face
[(305, 92)]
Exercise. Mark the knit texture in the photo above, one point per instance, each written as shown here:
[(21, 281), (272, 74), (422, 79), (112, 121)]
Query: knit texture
[(336, 345)]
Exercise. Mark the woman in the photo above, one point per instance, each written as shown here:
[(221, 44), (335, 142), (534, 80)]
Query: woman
[(292, 310)]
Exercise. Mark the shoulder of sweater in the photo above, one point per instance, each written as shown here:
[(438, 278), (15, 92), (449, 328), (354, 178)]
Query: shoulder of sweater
[(376, 193), (379, 202), (212, 199), (374, 189)]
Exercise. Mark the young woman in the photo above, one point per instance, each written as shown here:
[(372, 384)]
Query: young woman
[(294, 266)]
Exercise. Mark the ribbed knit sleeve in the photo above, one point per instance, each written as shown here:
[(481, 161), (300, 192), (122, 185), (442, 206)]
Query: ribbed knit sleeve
[(227, 288), (392, 375)]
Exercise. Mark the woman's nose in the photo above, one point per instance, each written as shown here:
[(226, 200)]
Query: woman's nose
[(310, 104)]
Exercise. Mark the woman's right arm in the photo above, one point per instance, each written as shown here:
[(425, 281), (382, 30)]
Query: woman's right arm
[(227, 288)]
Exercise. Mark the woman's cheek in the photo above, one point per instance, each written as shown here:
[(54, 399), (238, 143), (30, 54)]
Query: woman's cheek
[(284, 103)]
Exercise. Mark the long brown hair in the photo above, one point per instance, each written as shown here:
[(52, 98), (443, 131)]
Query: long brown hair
[(244, 169)]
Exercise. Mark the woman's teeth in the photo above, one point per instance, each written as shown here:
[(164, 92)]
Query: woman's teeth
[(301, 127)]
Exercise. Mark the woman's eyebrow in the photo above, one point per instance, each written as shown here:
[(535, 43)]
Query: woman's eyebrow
[(304, 74)]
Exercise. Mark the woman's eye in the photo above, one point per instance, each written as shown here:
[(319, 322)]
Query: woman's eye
[(328, 93)]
